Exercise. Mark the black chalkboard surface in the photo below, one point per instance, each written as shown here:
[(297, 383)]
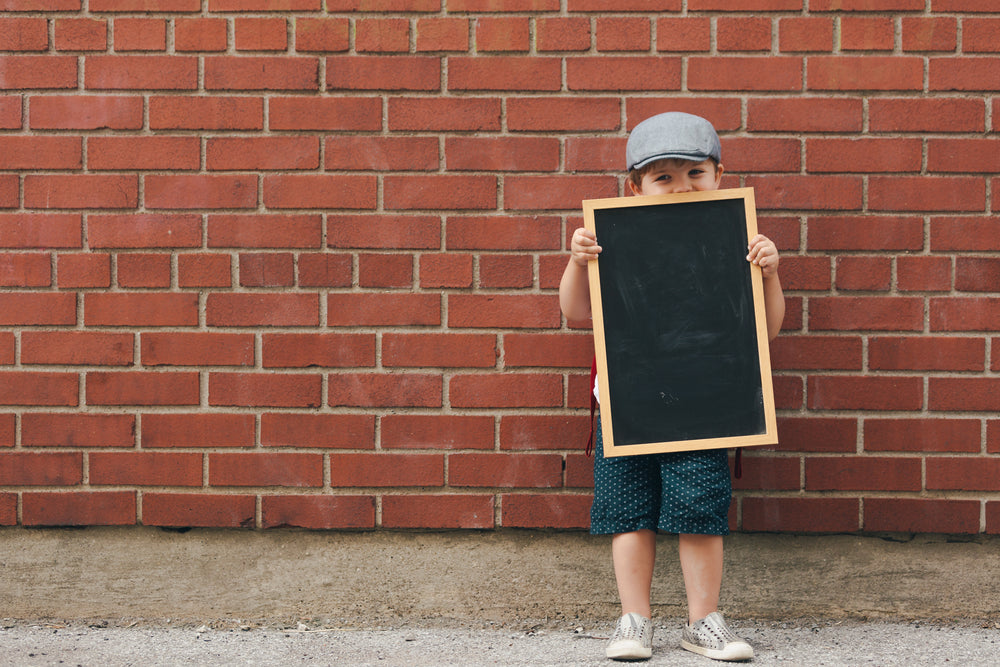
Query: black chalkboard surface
[(679, 326)]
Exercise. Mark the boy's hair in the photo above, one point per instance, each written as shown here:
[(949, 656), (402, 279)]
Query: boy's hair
[(636, 175)]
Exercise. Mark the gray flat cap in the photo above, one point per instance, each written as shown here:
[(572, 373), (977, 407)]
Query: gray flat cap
[(672, 135)]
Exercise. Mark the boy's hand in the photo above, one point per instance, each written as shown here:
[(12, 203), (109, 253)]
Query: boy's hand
[(764, 254), (583, 247)]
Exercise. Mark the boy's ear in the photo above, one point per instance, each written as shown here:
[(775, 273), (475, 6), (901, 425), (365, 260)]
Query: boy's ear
[(718, 172), (635, 189)]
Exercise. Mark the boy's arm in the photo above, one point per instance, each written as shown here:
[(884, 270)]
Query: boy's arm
[(574, 288), (764, 254)]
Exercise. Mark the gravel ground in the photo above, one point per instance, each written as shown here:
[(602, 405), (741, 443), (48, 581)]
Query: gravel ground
[(804, 642)]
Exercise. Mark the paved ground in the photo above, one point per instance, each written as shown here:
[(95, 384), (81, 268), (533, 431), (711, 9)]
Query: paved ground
[(800, 643)]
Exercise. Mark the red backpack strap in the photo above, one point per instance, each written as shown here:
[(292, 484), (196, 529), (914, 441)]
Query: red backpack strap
[(593, 406)]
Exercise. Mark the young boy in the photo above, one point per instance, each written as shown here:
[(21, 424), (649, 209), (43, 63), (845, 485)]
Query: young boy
[(637, 496)]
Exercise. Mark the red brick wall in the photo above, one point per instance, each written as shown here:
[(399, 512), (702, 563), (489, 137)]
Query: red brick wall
[(264, 263)]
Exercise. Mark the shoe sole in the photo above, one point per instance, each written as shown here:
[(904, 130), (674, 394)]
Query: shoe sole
[(634, 652), (735, 653)]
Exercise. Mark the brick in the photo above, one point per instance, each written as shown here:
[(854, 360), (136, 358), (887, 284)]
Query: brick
[(260, 33), (817, 434), (417, 73), (964, 314), (867, 473), (770, 114), (200, 429), (863, 155), (141, 72), (545, 510), (134, 6), (304, 350), (508, 232), (320, 191), (601, 154), (25, 269), (37, 308), (769, 473), (964, 234), (205, 113), (145, 309), (963, 393), (8, 509), (935, 114), (558, 192), (76, 348), (144, 230), (322, 35), (265, 231), (440, 512), (142, 388), (797, 34), (502, 34), (200, 191), (689, 34), (139, 34), (204, 270), (923, 274), (439, 431), (543, 432), (10, 112), (979, 35), (806, 273), (143, 270), (284, 469), (864, 233), (198, 510), (200, 34), (521, 73), (625, 33), (962, 155), (90, 508), (817, 353), (442, 34), (579, 471), (807, 192), (34, 469), (505, 311), (931, 353), (385, 390), (937, 33), (143, 153), (962, 474), (383, 232), (387, 309), (843, 73), (439, 350), (661, 73), (318, 512), (80, 34), (261, 73), (273, 269), (506, 272), (926, 193), (563, 114), (922, 435), (386, 469), (866, 313), (38, 72), (272, 390), (261, 153), (262, 309), (562, 33), (444, 270), (971, 74), (264, 5), (385, 270), (800, 515), (381, 35), (744, 33), (505, 390), (7, 356), (867, 33), (202, 348), (504, 6), (77, 430), (548, 350), (381, 153), (9, 194), (449, 114), (920, 515), (145, 468), (325, 270), (40, 152), (505, 470), (865, 393), (77, 191), (771, 73), (864, 273), (762, 155), (283, 429), (439, 191)]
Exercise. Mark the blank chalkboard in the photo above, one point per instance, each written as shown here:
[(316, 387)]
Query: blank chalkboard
[(679, 326)]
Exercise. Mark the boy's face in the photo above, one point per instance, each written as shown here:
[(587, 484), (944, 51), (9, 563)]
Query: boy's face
[(671, 176)]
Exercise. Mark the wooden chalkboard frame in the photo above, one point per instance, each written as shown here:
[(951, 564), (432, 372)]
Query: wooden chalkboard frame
[(714, 227)]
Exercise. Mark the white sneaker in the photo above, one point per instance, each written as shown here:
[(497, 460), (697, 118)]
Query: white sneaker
[(633, 638), (712, 638)]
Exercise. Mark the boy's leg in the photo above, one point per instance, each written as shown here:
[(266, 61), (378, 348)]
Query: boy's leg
[(633, 555), (701, 565)]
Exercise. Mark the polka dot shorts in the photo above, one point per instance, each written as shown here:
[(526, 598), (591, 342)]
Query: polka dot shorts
[(677, 492)]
